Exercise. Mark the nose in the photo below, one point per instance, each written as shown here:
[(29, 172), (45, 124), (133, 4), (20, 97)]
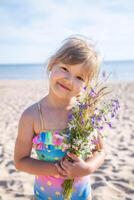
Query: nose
[(68, 80)]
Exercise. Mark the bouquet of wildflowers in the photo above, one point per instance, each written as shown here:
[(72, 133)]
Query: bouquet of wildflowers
[(90, 115)]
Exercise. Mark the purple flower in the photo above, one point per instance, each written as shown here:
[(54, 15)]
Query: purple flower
[(82, 106), (95, 141), (109, 124), (112, 115), (93, 120), (92, 93), (99, 119), (105, 119), (101, 127), (115, 104), (70, 116), (80, 113)]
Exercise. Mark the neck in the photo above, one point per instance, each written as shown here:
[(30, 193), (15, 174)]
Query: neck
[(59, 103)]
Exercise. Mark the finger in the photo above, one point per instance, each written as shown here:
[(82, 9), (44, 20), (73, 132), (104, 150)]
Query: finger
[(63, 176), (73, 156), (60, 170), (68, 164), (65, 164)]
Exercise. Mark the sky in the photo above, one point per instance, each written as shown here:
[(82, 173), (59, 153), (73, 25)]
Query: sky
[(32, 30)]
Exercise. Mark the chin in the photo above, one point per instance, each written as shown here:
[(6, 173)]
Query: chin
[(64, 96)]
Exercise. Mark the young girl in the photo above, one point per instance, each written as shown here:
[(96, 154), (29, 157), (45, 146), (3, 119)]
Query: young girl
[(75, 64)]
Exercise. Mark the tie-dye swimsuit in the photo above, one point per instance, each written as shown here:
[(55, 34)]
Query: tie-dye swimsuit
[(50, 147)]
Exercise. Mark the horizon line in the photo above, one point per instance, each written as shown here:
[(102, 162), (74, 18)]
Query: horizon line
[(41, 63)]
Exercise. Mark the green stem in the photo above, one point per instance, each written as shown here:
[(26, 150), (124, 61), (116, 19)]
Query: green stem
[(68, 189)]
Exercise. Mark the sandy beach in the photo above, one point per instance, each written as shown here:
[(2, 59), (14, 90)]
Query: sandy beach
[(114, 180)]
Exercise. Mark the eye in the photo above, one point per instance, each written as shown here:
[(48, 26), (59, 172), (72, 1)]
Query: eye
[(65, 69), (80, 78)]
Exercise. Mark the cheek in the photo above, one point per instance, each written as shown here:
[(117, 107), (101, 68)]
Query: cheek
[(78, 86), (55, 75), (54, 78)]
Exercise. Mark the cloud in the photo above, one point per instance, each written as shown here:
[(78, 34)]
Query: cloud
[(39, 26)]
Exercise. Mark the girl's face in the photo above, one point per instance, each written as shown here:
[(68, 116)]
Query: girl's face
[(66, 81)]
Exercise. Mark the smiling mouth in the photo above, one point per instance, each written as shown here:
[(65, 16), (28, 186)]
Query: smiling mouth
[(64, 87)]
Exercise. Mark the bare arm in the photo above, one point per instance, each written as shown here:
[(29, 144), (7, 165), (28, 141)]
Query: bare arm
[(23, 147)]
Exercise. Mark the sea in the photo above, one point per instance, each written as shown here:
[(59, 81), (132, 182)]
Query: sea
[(114, 70)]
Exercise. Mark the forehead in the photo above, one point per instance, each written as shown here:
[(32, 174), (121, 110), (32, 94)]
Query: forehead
[(78, 68)]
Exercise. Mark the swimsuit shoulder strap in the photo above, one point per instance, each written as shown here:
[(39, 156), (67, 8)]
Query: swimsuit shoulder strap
[(41, 116)]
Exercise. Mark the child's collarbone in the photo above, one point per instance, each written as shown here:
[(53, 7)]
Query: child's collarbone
[(55, 122)]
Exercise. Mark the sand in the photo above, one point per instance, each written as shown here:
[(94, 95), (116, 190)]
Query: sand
[(114, 180)]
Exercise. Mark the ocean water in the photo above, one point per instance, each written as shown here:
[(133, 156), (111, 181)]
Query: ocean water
[(119, 70), (22, 71), (116, 70)]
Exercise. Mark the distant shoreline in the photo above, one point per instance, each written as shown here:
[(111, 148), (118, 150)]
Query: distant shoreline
[(118, 70), (43, 63)]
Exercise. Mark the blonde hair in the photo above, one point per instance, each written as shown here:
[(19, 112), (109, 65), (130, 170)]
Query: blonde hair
[(77, 50)]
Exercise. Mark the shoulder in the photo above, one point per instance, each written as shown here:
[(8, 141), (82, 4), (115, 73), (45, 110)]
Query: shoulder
[(26, 121), (30, 112)]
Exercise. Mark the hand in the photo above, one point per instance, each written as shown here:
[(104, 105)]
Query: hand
[(70, 170), (61, 172)]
